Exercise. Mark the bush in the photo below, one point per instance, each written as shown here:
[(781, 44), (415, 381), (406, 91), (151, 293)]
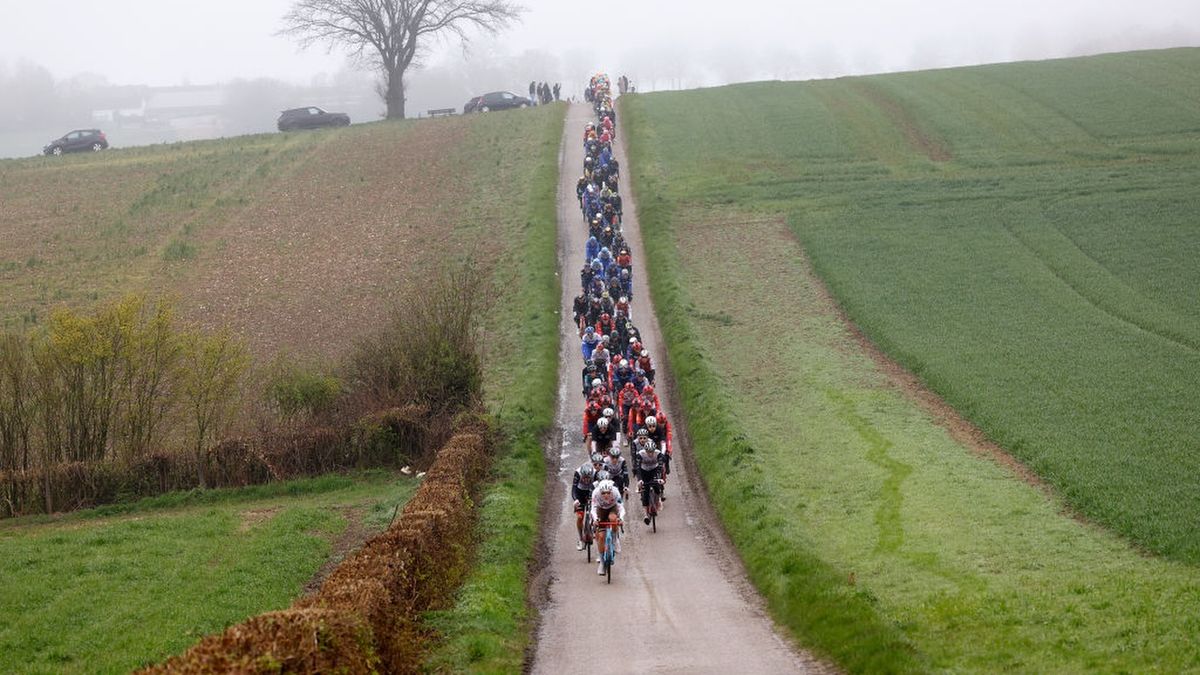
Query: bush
[(297, 390), (428, 353)]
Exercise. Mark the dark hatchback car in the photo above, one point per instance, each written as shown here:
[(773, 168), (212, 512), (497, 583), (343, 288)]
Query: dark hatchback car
[(310, 118), (496, 100), (79, 140)]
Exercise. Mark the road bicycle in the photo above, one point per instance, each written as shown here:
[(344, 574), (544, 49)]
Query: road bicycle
[(589, 532), (654, 502), (610, 543)]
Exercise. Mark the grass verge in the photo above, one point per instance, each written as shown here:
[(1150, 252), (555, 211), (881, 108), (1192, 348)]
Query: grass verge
[(831, 482), (487, 630), (803, 592)]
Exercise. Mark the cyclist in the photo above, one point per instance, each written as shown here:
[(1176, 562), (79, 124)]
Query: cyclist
[(591, 413), (580, 189), (592, 249), (590, 372), (651, 464), (659, 430), (587, 344), (645, 365), (606, 507), (618, 468), (581, 492), (604, 435), (579, 308), (651, 397), (628, 398)]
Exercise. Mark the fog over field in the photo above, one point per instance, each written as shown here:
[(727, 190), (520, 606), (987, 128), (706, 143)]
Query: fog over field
[(50, 49)]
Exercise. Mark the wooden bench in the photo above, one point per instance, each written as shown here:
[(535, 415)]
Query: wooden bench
[(441, 111)]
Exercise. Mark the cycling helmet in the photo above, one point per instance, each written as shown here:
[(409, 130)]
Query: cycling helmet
[(587, 470), (651, 422), (605, 316), (614, 451), (596, 382), (649, 390), (642, 433), (645, 353), (602, 423), (597, 458), (604, 477), (589, 330)]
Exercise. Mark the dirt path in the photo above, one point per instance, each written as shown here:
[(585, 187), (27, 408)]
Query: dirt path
[(679, 601)]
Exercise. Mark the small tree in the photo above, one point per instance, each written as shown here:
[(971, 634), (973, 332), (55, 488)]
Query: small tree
[(149, 374), (392, 35), (213, 368)]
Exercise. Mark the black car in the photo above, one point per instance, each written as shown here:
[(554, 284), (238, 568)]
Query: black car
[(78, 140), (496, 100), (310, 118)]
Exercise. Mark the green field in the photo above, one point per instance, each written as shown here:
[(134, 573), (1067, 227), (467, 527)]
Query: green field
[(1022, 238), (111, 589), (300, 242)]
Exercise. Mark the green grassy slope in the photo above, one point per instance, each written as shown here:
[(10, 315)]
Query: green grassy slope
[(95, 594), (1038, 283), (1040, 275)]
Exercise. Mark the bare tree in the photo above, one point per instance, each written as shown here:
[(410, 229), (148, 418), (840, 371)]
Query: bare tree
[(392, 35)]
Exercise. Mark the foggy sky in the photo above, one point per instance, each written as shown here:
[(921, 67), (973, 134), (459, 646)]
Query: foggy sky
[(169, 42)]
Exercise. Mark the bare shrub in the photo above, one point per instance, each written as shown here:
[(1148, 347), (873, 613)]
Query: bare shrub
[(428, 352)]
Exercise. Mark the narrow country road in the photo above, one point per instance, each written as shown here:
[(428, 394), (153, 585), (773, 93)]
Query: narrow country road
[(678, 601)]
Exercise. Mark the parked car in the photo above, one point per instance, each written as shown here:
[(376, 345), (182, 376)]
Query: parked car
[(310, 118), (78, 140), (496, 100)]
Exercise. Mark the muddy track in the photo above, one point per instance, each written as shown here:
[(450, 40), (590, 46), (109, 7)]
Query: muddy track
[(679, 600)]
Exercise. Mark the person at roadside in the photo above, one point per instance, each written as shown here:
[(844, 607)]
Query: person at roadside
[(581, 492), (606, 507)]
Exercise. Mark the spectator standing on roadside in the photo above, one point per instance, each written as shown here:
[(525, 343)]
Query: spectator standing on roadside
[(532, 86), (557, 90)]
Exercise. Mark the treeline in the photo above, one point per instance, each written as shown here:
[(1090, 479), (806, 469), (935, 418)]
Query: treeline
[(125, 402)]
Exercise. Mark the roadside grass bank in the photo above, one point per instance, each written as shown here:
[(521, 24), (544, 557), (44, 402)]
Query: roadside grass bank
[(830, 480), (114, 588), (803, 591), (1018, 236), (488, 628)]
